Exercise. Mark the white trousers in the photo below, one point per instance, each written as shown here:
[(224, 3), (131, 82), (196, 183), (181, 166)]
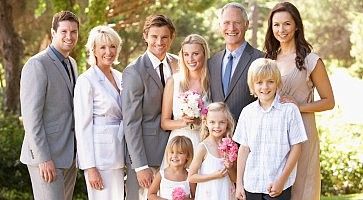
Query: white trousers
[(113, 182)]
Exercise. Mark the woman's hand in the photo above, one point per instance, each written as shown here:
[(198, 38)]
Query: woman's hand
[(187, 120), (95, 179), (288, 99)]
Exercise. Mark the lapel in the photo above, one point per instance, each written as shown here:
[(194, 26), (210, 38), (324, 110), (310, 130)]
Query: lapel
[(74, 66), (151, 71), (217, 74), (241, 67), (107, 86), (61, 70)]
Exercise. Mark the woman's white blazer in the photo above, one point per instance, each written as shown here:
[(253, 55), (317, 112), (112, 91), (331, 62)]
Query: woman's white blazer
[(98, 120)]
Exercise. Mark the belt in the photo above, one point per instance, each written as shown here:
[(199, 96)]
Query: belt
[(101, 120)]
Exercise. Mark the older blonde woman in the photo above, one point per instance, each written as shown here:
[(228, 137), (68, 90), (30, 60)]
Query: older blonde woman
[(98, 117)]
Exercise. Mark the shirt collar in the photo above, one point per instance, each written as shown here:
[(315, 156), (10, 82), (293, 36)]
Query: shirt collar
[(275, 104), (57, 53), (238, 52), (155, 61)]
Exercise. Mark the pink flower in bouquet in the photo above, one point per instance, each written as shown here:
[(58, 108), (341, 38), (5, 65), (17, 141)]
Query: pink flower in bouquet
[(192, 105), (178, 194), (229, 149)]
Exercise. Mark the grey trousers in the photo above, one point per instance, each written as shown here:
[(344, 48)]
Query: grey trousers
[(60, 189)]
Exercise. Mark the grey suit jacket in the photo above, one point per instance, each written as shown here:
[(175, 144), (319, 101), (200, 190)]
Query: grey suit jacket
[(47, 111), (141, 107), (238, 95)]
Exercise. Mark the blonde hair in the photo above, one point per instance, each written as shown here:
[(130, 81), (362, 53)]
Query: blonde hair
[(100, 34), (263, 68), (184, 83), (183, 144), (217, 107)]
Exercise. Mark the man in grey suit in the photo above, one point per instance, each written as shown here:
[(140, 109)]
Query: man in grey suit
[(228, 68), (143, 85), (46, 98)]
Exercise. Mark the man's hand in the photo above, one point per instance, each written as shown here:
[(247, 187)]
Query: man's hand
[(47, 171), (95, 179), (145, 177)]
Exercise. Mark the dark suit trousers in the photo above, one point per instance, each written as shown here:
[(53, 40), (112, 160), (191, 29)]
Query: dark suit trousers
[(285, 195)]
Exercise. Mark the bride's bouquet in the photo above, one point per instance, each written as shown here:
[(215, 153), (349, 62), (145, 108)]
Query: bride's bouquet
[(192, 105)]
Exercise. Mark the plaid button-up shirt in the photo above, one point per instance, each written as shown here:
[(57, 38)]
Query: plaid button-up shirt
[(269, 134)]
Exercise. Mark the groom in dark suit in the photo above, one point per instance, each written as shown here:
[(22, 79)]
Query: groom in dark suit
[(143, 86), (228, 68)]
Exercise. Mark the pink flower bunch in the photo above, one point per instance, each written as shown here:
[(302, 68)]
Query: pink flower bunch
[(192, 105), (178, 194), (203, 108), (229, 149)]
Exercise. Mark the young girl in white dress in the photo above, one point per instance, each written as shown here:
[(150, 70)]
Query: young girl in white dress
[(213, 173), (179, 156)]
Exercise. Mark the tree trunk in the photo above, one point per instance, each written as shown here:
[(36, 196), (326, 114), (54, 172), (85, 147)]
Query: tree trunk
[(254, 21), (11, 50)]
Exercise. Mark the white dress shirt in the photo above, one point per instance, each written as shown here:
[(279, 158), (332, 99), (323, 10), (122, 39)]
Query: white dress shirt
[(156, 62)]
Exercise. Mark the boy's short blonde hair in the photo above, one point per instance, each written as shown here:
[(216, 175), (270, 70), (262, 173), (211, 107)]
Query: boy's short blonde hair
[(263, 68)]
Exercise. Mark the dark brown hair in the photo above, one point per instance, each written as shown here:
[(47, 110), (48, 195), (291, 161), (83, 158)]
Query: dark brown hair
[(272, 45), (64, 16)]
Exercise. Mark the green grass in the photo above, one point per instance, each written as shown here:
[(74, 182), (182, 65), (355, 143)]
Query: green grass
[(345, 197)]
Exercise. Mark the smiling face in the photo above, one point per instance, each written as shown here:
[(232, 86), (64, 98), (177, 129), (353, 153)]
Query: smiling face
[(65, 38), (105, 53), (177, 157), (158, 40), (283, 27), (233, 27), (193, 56), (217, 123), (265, 90)]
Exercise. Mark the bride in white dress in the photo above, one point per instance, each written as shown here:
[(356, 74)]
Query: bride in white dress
[(193, 75)]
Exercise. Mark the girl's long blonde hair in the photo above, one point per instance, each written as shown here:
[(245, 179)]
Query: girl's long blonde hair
[(184, 83), (216, 107)]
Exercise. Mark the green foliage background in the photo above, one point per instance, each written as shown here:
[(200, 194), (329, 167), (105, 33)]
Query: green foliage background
[(333, 27)]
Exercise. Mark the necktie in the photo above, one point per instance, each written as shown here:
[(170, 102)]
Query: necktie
[(65, 64), (227, 74), (69, 69), (161, 70)]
